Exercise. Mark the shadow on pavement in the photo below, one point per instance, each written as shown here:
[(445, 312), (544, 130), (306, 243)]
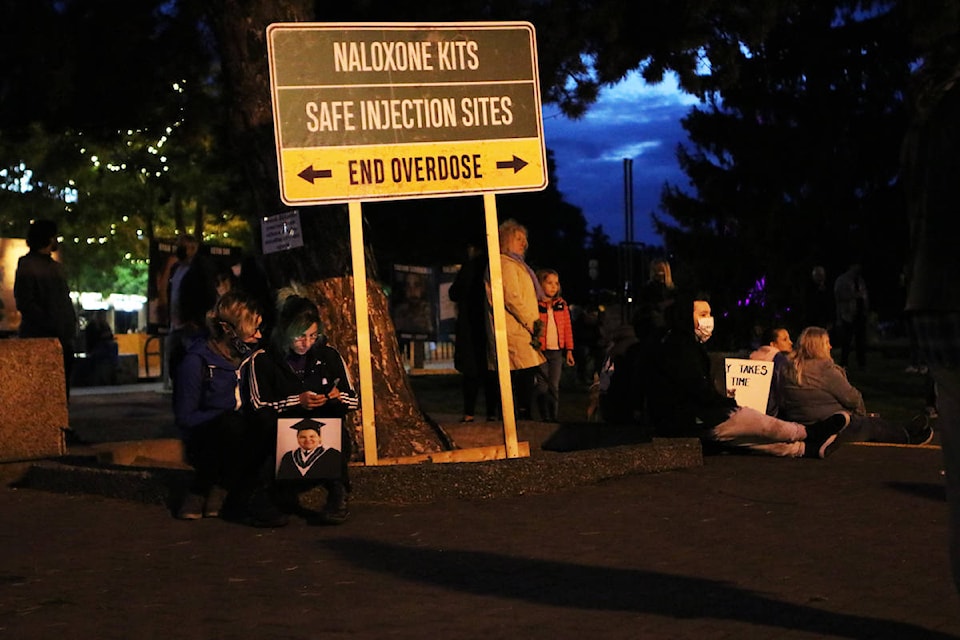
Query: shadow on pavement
[(564, 584), (928, 490)]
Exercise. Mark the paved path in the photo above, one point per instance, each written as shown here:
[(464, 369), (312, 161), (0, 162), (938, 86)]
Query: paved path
[(742, 547)]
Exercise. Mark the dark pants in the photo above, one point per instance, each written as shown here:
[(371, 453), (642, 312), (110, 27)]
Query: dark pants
[(938, 339), (873, 429), (491, 393), (523, 381), (853, 334), (220, 453)]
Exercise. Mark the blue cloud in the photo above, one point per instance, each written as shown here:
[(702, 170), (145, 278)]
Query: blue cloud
[(629, 120)]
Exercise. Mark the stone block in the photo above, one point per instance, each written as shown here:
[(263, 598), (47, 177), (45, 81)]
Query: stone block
[(33, 399)]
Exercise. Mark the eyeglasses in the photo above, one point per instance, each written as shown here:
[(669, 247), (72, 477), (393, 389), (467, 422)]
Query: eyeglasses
[(307, 337)]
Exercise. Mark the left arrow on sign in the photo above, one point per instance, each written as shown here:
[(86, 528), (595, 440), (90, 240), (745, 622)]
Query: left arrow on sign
[(310, 174), (516, 164)]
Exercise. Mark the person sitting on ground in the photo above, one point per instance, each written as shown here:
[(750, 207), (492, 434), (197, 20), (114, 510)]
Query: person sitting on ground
[(300, 376), (206, 402), (775, 348), (813, 387), (776, 340), (683, 400)]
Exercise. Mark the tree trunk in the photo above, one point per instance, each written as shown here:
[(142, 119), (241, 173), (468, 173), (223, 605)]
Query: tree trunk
[(321, 268)]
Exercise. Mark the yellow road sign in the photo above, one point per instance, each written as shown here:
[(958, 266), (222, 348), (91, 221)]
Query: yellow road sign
[(388, 111)]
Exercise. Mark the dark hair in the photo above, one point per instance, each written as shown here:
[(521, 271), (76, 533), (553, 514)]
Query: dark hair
[(296, 316), (679, 315), (40, 233), (770, 334)]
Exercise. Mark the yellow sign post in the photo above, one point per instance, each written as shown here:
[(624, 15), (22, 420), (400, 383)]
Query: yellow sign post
[(400, 110)]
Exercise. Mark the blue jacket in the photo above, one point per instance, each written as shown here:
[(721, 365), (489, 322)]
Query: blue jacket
[(207, 385)]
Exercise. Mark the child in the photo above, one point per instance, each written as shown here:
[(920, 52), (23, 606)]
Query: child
[(556, 342)]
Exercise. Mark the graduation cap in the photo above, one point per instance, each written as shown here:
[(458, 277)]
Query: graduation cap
[(307, 423)]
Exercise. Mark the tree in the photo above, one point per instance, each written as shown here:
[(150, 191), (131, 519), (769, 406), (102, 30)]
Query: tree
[(117, 140), (804, 107), (798, 164)]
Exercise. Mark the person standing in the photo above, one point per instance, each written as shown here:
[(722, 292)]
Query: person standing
[(194, 283), (556, 343), (850, 294), (470, 345), (654, 298), (43, 296), (818, 301), (932, 172), (521, 291)]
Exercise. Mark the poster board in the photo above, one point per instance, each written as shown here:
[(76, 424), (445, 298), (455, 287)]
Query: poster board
[(11, 250), (163, 255), (413, 304), (322, 462), (748, 382)]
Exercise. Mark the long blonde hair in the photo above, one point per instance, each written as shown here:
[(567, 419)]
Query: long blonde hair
[(667, 271), (813, 344)]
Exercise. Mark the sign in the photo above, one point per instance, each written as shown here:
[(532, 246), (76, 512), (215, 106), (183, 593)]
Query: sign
[(748, 382), (281, 232), (308, 448), (400, 110), (11, 250), (413, 303)]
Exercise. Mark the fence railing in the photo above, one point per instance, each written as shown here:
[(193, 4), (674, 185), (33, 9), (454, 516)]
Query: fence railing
[(433, 356)]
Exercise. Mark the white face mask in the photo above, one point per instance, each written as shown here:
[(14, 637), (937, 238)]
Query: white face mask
[(704, 328)]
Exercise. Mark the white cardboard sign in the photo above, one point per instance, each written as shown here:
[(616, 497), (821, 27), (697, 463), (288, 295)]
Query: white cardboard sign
[(748, 381)]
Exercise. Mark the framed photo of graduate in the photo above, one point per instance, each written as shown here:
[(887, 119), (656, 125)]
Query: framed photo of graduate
[(308, 449)]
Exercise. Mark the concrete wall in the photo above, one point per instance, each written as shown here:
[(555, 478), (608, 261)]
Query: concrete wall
[(33, 399)]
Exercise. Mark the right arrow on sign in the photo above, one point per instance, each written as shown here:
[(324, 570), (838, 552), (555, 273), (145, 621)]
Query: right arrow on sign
[(310, 174), (516, 164)]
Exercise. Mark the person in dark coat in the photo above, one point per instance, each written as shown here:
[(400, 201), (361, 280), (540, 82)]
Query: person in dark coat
[(310, 460), (42, 294), (470, 342), (818, 302)]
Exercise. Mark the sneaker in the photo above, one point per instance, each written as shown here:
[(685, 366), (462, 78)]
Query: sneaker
[(919, 431), (821, 440), (213, 504), (191, 508)]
